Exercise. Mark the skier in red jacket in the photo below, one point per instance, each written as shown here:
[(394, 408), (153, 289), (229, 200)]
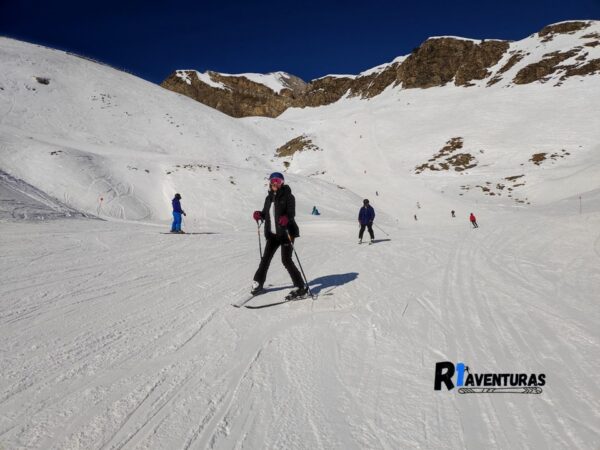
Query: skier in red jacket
[(473, 220)]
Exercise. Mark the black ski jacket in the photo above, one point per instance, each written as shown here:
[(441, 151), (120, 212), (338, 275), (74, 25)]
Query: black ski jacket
[(285, 205)]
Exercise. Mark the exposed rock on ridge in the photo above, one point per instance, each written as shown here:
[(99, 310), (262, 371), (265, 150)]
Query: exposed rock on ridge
[(236, 95), (548, 32), (436, 62), (441, 60)]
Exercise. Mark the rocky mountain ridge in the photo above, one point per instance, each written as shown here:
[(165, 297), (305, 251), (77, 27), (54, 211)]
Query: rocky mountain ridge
[(436, 62)]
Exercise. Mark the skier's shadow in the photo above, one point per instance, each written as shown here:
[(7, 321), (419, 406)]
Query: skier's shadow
[(375, 241), (331, 281), (179, 234), (203, 232)]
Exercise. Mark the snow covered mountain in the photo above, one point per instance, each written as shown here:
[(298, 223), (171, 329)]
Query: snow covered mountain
[(555, 53), (123, 146), (240, 95), (110, 144), (117, 336)]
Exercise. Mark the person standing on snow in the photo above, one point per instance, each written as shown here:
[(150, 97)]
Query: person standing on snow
[(473, 220), (177, 212), (366, 216), (281, 229)]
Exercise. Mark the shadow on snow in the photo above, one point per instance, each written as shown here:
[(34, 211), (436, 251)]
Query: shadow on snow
[(205, 232), (331, 281), (375, 241)]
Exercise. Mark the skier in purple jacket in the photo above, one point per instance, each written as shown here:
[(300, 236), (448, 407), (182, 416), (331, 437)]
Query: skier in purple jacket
[(177, 212)]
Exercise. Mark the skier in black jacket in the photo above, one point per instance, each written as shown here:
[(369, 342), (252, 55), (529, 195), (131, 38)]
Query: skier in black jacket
[(278, 213)]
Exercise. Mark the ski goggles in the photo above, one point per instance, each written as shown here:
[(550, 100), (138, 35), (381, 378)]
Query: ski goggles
[(276, 182)]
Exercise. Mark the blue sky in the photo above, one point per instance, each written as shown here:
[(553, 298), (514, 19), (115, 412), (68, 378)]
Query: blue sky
[(308, 39)]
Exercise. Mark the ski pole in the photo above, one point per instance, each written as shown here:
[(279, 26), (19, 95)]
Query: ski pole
[(379, 228), (300, 264), (259, 242)]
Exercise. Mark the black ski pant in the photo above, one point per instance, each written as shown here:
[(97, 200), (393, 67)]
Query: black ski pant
[(273, 243), (474, 223), (362, 230)]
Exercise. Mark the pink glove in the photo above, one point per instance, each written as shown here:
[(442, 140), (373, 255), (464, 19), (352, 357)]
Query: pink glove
[(257, 215), (283, 221)]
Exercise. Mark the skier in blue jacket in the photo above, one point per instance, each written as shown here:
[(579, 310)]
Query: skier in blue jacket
[(177, 212), (366, 216)]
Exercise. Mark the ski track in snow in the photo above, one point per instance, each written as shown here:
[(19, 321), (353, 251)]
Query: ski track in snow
[(119, 337)]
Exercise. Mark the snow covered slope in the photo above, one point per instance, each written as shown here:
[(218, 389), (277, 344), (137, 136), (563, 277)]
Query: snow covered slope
[(117, 336), (518, 144), (19, 200), (107, 143)]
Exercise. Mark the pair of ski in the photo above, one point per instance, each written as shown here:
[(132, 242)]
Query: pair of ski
[(288, 298)]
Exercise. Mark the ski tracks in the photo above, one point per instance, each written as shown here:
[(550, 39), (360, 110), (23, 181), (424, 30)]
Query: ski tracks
[(496, 306), (157, 357)]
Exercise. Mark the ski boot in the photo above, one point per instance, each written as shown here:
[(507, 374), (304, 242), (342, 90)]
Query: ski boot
[(297, 294), (257, 288)]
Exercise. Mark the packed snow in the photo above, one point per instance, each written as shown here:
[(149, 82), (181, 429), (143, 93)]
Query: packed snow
[(117, 334), (207, 78), (274, 81), (381, 67)]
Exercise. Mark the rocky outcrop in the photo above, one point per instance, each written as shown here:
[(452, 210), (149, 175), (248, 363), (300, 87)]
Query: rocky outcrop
[(514, 59), (236, 96), (436, 62), (446, 158), (542, 70), (368, 86), (324, 91), (441, 60), (590, 68), (298, 144), (547, 33)]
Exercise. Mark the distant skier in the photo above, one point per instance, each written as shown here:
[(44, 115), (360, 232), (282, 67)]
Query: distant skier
[(415, 217), (278, 213), (418, 205), (177, 212), (315, 211), (452, 212), (473, 220), (366, 216)]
